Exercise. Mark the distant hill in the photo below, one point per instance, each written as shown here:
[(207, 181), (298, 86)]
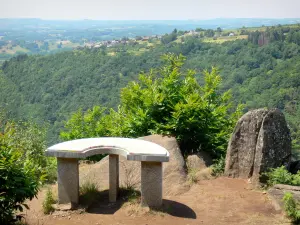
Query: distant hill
[(49, 88), (37, 36)]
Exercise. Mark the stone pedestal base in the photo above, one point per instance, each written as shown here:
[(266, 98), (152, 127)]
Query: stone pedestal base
[(113, 177), (151, 184), (68, 181)]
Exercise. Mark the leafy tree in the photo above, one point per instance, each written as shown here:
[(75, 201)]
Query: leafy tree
[(20, 172), (209, 33), (167, 38), (50, 88), (18, 183), (198, 29), (169, 102)]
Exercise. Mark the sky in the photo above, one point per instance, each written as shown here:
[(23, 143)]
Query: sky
[(148, 9)]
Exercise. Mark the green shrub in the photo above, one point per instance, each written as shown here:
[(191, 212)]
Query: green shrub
[(51, 170), (48, 201), (28, 140), (88, 193), (291, 208), (165, 101), (280, 175), (18, 182), (23, 167), (218, 166), (129, 194)]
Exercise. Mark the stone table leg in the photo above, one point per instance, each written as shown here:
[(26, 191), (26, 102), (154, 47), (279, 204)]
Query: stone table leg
[(151, 184), (113, 177), (68, 181)]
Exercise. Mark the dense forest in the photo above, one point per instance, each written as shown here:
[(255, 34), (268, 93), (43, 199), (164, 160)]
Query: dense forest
[(50, 88)]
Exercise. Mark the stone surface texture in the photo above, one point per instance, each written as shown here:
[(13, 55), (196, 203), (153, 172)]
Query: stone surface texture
[(199, 161), (68, 181), (261, 140), (113, 177), (131, 149), (277, 192), (151, 184)]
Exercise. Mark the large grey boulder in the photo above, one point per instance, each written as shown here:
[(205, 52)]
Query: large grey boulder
[(174, 172), (261, 140)]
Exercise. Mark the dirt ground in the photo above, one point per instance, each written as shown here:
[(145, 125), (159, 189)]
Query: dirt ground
[(211, 202)]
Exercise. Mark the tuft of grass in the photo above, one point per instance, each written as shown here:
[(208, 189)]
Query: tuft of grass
[(88, 193), (48, 201), (291, 208), (218, 167), (129, 195), (192, 175)]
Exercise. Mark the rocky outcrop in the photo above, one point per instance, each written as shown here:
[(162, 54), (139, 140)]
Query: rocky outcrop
[(199, 161), (198, 166), (261, 140), (174, 173), (278, 190)]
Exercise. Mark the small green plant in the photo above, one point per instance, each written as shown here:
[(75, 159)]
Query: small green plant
[(281, 175), (88, 193), (218, 167), (291, 208), (296, 179), (129, 194), (48, 201)]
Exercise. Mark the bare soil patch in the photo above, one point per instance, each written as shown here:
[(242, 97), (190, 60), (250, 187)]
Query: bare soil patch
[(217, 201)]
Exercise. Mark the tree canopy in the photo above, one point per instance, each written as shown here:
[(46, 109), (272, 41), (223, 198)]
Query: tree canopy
[(50, 88), (166, 101)]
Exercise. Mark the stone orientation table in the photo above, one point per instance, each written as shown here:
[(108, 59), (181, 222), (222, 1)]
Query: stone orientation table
[(150, 154)]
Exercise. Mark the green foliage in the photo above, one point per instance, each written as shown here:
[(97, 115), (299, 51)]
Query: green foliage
[(166, 101), (50, 88), (28, 140), (48, 201), (291, 208), (175, 104), (88, 193), (218, 166), (23, 167), (281, 175), (18, 182), (129, 194), (167, 38), (85, 124)]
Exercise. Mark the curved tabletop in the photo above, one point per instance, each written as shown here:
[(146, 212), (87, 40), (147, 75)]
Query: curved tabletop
[(132, 149)]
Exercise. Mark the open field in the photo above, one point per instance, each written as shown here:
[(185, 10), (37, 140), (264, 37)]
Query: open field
[(221, 40)]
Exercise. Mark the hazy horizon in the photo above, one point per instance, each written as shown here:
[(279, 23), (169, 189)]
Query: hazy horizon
[(82, 19), (149, 10)]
